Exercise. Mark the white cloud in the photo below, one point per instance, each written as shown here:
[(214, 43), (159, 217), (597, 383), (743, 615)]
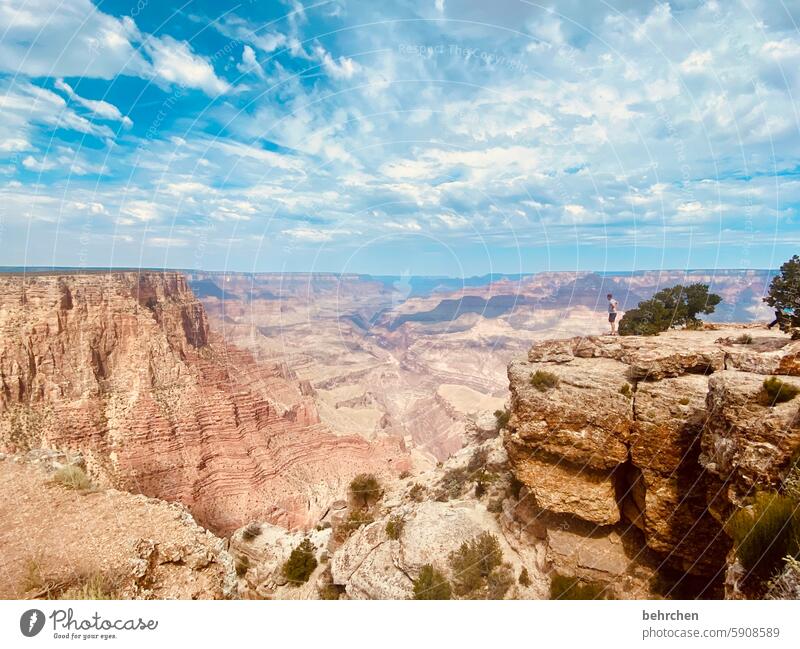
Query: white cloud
[(174, 61), (101, 109)]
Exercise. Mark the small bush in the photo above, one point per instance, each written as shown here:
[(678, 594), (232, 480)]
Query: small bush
[(478, 460), (480, 488), (394, 527), (501, 418), (94, 586), (72, 477), (524, 578), (365, 489), (626, 391), (330, 591), (515, 487), (498, 581), (301, 563), (452, 484), (765, 532), (417, 493), (744, 339), (242, 565), (431, 584), (775, 391), (684, 401), (562, 587), (472, 563), (544, 381), (251, 531), (355, 519)]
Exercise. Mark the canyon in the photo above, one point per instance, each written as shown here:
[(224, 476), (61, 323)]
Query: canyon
[(249, 402)]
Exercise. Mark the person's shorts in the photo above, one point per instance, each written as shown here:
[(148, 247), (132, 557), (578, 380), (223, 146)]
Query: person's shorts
[(612, 317)]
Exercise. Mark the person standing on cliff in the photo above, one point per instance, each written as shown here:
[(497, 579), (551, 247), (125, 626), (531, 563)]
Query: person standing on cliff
[(612, 313)]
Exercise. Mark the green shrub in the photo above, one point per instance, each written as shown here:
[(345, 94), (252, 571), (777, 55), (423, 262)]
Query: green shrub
[(543, 380), (744, 339), (502, 417), (765, 532), (93, 586), (524, 578), (452, 484), (626, 391), (251, 531), (775, 391), (417, 493), (365, 489), (784, 295), (72, 477), (330, 591), (394, 527), (242, 565), (670, 307), (431, 584), (301, 563), (562, 587), (472, 563), (356, 518)]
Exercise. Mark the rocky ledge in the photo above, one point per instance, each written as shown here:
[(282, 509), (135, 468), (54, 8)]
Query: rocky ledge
[(648, 444)]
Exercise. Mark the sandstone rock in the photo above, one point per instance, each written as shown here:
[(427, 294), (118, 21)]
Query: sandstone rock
[(584, 420), (745, 442), (371, 566), (144, 548), (123, 368)]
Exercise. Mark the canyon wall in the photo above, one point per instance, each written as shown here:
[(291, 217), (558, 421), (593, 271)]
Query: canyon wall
[(650, 443), (123, 368)]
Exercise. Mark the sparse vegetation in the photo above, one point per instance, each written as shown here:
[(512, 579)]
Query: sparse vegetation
[(501, 418), (452, 484), (417, 493), (330, 591), (365, 489), (775, 391), (670, 307), (405, 474), (355, 518), (93, 586), (242, 565), (684, 401), (478, 569), (543, 380), (394, 527), (766, 532), (562, 587), (626, 391), (301, 563), (744, 339), (431, 584), (784, 295), (251, 531), (524, 578), (72, 477)]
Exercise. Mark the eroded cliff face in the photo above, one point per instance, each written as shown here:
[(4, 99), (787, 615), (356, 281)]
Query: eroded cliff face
[(123, 368), (647, 445)]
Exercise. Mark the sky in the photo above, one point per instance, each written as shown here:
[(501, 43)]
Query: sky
[(423, 137)]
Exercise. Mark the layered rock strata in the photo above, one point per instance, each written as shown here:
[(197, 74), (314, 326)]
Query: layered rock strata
[(123, 368), (665, 435)]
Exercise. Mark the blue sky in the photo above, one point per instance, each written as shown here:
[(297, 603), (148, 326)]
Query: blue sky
[(422, 136)]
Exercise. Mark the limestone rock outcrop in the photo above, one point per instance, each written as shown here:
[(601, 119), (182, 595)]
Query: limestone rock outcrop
[(123, 368), (55, 538), (660, 437)]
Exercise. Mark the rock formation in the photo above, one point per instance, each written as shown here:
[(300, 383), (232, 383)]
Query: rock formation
[(649, 443), (55, 538), (123, 368)]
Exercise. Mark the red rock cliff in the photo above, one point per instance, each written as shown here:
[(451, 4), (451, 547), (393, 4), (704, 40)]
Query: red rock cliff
[(122, 367)]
